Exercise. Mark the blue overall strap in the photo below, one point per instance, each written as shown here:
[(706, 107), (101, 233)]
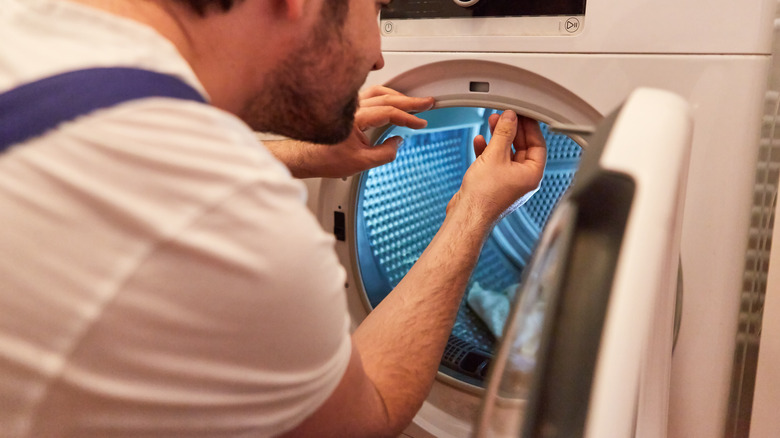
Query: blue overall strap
[(36, 107)]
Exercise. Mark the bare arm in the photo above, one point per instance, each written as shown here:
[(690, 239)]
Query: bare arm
[(383, 389), (379, 106)]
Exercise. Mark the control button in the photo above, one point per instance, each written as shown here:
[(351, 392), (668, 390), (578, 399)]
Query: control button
[(465, 3), (572, 25), (388, 27)]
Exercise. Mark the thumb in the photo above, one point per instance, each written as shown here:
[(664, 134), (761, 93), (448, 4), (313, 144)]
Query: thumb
[(503, 136), (386, 151)]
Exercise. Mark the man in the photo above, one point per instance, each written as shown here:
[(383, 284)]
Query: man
[(161, 275)]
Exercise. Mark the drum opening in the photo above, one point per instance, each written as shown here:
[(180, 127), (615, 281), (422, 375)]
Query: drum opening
[(401, 205)]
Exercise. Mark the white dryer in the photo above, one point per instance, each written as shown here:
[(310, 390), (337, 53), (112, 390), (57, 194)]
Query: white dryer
[(564, 62)]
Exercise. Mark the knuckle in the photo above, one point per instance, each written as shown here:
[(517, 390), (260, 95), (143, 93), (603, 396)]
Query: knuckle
[(377, 89), (504, 130)]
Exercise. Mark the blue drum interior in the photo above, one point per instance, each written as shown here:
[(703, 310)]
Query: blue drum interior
[(401, 205)]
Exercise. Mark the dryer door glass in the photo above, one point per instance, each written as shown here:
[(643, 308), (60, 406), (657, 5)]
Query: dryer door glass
[(401, 205)]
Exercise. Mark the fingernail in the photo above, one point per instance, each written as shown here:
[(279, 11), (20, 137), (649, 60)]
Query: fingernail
[(399, 141), (509, 115)]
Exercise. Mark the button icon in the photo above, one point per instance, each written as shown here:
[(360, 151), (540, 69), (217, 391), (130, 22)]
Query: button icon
[(388, 27), (572, 25)]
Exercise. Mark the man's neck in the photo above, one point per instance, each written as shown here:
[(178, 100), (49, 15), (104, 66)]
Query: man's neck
[(166, 17), (201, 42)]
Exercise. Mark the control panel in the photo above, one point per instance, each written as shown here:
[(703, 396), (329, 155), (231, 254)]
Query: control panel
[(482, 17)]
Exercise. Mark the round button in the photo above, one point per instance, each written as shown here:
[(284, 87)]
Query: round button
[(465, 3), (572, 25), (388, 27)]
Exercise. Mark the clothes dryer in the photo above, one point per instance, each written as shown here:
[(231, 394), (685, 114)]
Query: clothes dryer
[(568, 62)]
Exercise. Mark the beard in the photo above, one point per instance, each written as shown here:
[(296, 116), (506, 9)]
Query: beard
[(312, 95)]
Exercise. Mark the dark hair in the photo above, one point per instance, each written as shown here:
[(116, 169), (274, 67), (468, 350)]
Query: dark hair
[(201, 6)]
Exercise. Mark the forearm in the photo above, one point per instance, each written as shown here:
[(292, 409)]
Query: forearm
[(292, 154), (311, 160), (402, 340)]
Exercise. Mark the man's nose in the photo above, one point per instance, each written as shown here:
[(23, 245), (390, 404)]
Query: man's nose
[(379, 63)]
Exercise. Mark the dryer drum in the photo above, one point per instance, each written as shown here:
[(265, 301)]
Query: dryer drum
[(401, 205)]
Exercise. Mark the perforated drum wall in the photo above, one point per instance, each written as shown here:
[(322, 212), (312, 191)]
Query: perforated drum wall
[(402, 204)]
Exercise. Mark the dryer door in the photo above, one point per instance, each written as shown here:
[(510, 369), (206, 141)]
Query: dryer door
[(587, 349)]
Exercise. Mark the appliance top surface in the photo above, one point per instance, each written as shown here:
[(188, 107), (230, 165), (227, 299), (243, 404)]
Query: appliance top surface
[(579, 26)]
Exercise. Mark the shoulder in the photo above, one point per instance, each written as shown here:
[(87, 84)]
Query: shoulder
[(226, 287)]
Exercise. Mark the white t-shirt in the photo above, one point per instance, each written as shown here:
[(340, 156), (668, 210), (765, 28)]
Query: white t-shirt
[(160, 274)]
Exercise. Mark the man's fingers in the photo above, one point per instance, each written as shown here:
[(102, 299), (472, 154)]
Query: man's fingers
[(386, 151), (529, 133), (503, 135), (492, 120), (374, 117), (377, 90), (532, 141), (479, 145), (406, 103), (380, 106)]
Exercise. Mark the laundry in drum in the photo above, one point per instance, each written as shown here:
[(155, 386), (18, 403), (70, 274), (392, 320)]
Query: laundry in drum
[(402, 204), (491, 306)]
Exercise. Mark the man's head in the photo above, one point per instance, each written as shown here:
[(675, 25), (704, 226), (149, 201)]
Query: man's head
[(292, 67), (311, 94)]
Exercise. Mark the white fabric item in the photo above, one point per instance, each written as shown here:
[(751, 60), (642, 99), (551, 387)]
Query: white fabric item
[(491, 306), (160, 274)]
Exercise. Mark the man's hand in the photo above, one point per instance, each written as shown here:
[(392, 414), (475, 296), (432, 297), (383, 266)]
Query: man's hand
[(379, 106), (499, 176)]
